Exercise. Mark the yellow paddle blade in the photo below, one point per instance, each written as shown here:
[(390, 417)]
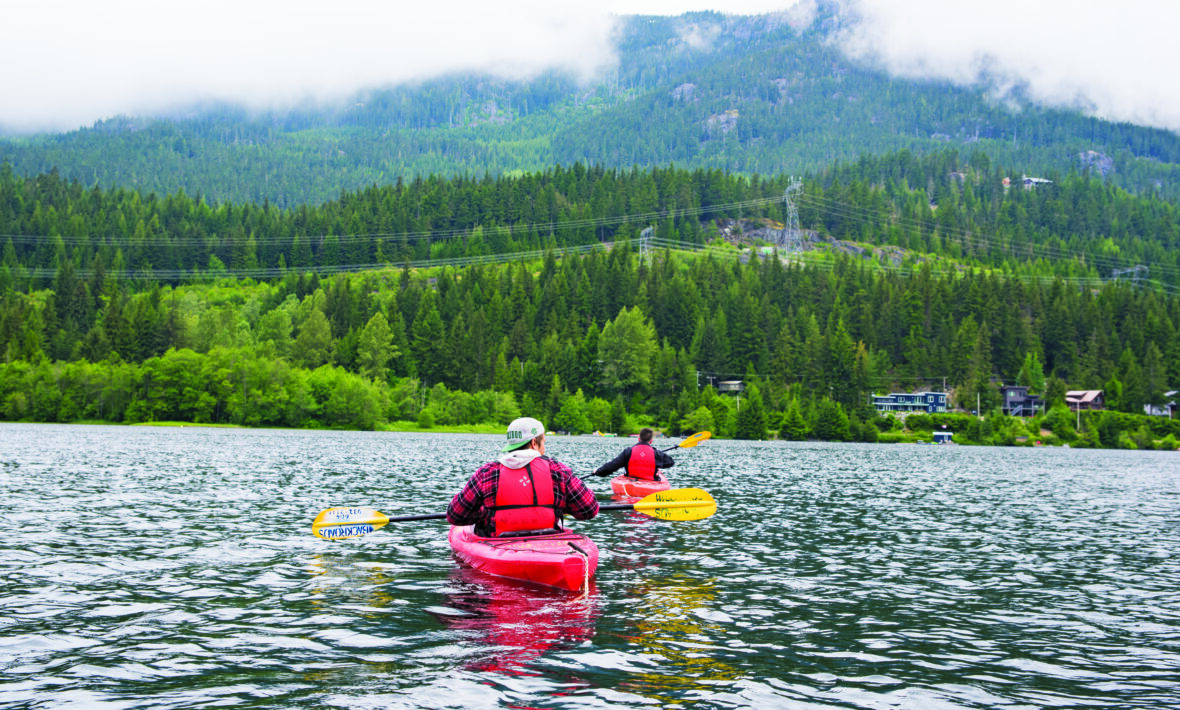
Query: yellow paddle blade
[(695, 439), (340, 523), (678, 504)]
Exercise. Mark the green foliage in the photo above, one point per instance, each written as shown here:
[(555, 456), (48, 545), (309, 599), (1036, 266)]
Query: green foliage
[(751, 417), (1060, 420), (356, 349), (794, 428), (573, 416), (1055, 391), (626, 349), (832, 422), (1032, 374), (313, 346), (700, 419), (376, 348)]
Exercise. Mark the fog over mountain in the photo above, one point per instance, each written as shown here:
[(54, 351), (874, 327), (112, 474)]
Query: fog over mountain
[(1111, 60), (76, 63)]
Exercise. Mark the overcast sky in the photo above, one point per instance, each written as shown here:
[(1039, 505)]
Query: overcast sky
[(65, 63)]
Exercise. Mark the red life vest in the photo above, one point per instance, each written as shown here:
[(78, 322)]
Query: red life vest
[(642, 463), (524, 498)]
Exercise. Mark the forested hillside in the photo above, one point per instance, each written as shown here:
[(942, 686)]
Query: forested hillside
[(917, 273), (760, 97), (896, 209)]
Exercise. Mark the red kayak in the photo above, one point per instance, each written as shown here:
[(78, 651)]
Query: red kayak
[(564, 559), (637, 487)]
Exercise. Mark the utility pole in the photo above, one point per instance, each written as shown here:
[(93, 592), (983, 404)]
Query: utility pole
[(791, 240), (1135, 273)]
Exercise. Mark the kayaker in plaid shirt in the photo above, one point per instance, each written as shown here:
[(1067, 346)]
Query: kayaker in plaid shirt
[(474, 505)]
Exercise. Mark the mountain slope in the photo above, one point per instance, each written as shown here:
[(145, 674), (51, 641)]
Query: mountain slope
[(760, 98)]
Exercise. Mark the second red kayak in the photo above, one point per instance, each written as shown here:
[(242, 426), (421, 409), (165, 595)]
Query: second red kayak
[(637, 487), (563, 559)]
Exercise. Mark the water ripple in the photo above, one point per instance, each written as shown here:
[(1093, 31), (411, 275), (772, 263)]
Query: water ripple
[(175, 568)]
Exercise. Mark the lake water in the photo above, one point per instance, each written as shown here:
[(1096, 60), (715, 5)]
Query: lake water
[(168, 568)]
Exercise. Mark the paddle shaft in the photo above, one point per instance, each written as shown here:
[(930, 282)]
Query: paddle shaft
[(618, 506), (673, 504), (427, 516), (443, 516)]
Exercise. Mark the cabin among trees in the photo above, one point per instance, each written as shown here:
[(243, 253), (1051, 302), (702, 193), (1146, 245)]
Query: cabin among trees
[(1085, 400), (1167, 409), (929, 402), (1017, 402)]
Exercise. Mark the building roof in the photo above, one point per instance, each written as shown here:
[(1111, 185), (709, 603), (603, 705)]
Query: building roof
[(1083, 395)]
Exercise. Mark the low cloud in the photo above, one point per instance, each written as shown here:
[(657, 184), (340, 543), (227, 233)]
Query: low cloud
[(1111, 60), (68, 64)]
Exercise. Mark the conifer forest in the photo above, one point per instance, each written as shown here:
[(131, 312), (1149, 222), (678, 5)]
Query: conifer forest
[(602, 299)]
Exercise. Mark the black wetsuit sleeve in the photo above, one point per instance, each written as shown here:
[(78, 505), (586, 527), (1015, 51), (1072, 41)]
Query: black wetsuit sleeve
[(614, 464)]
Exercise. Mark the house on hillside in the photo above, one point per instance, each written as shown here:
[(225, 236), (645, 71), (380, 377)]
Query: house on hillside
[(1084, 400), (929, 402), (730, 386), (1167, 409), (1017, 402)]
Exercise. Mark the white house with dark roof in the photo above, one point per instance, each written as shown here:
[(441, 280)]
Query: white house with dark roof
[(929, 402), (1167, 409)]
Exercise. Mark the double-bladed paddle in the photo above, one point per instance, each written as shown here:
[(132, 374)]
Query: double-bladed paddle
[(674, 504), (691, 441), (686, 444)]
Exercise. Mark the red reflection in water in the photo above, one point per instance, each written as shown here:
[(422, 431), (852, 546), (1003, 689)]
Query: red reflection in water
[(516, 621)]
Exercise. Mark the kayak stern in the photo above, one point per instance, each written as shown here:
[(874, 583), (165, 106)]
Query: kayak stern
[(565, 559)]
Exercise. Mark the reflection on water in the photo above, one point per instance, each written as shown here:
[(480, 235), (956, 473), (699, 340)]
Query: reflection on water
[(675, 622), (169, 569), (514, 622)]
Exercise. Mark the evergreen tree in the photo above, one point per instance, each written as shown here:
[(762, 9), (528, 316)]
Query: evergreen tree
[(573, 416), (1055, 391), (794, 428), (840, 364), (831, 422), (1032, 374), (1134, 388), (1155, 376), (375, 348), (751, 416), (313, 345), (626, 348), (428, 341)]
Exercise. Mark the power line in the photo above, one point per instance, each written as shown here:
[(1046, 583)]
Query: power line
[(794, 192), (427, 236), (970, 238)]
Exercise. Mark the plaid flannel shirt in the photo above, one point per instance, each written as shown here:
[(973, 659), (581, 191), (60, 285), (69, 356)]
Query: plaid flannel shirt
[(473, 505)]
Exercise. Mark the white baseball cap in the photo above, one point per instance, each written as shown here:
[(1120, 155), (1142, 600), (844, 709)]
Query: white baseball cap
[(522, 431)]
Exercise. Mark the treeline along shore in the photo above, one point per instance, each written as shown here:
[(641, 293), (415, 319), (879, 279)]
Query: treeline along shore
[(469, 301)]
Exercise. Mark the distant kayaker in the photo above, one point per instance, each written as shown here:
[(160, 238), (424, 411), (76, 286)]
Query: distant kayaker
[(523, 491), (642, 460)]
